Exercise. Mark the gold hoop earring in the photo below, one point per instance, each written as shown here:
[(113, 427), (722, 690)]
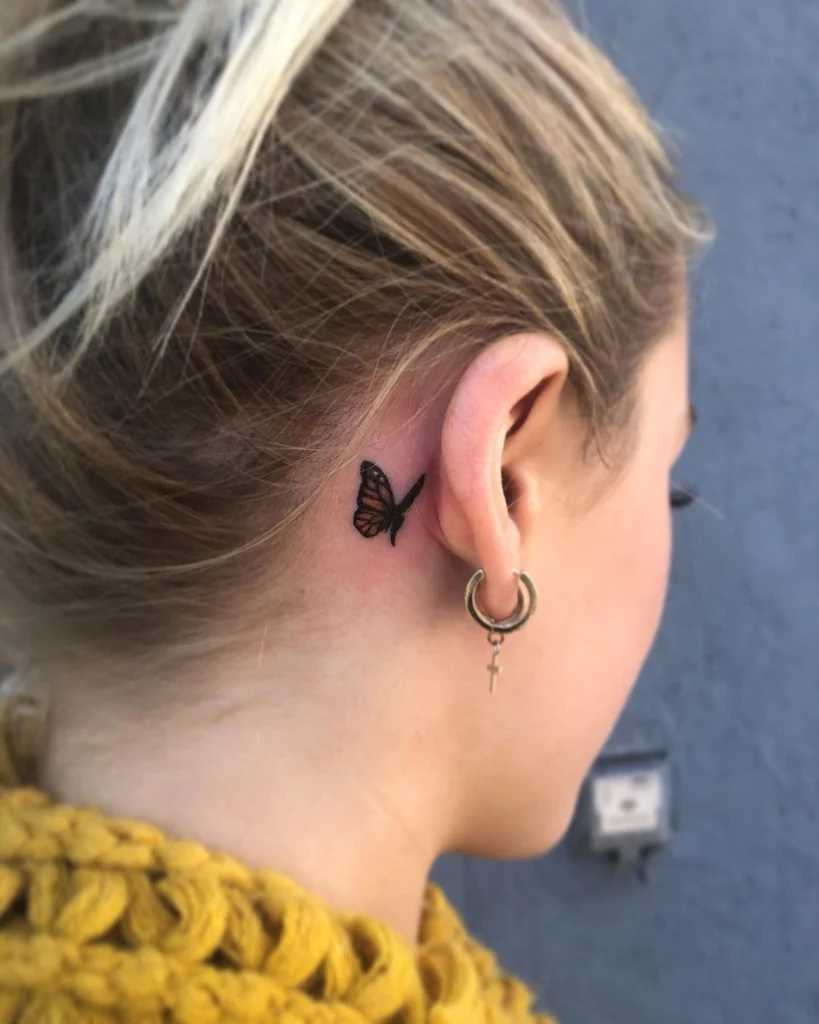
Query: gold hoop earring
[(497, 629)]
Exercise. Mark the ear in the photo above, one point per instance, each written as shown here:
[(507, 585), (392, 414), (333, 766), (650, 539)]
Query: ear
[(494, 433)]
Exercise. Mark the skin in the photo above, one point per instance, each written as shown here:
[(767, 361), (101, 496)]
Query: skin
[(351, 744)]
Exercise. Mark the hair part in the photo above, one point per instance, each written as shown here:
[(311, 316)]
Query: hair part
[(230, 230)]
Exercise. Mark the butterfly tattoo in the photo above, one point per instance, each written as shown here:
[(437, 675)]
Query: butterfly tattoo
[(377, 510)]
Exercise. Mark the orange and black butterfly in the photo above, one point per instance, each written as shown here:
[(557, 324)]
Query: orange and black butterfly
[(377, 510)]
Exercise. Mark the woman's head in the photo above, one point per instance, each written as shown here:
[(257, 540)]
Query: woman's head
[(249, 246)]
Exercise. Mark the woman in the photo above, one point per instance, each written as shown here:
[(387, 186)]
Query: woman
[(339, 338)]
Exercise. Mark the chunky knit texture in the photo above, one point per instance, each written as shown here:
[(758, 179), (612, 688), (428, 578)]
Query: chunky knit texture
[(106, 920)]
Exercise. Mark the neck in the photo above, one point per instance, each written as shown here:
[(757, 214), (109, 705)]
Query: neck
[(287, 773)]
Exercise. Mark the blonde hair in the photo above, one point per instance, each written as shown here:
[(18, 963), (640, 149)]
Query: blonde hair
[(230, 228)]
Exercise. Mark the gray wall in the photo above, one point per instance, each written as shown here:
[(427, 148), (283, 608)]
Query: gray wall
[(727, 928)]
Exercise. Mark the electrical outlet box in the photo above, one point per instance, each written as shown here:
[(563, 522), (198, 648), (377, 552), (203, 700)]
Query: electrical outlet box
[(626, 806)]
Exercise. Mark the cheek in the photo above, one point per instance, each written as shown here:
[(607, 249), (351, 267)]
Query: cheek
[(636, 570), (645, 547), (617, 575), (567, 676)]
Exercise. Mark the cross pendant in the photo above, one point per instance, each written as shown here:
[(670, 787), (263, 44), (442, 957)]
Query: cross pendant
[(493, 667)]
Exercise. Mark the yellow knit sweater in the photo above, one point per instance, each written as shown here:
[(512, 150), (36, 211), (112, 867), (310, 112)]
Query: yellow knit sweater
[(105, 920)]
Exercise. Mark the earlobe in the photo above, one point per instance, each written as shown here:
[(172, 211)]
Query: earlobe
[(501, 406)]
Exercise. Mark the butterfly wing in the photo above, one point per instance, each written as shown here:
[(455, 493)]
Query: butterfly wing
[(376, 502), (410, 496)]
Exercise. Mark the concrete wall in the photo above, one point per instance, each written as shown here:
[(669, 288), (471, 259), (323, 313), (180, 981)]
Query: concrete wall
[(727, 928)]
